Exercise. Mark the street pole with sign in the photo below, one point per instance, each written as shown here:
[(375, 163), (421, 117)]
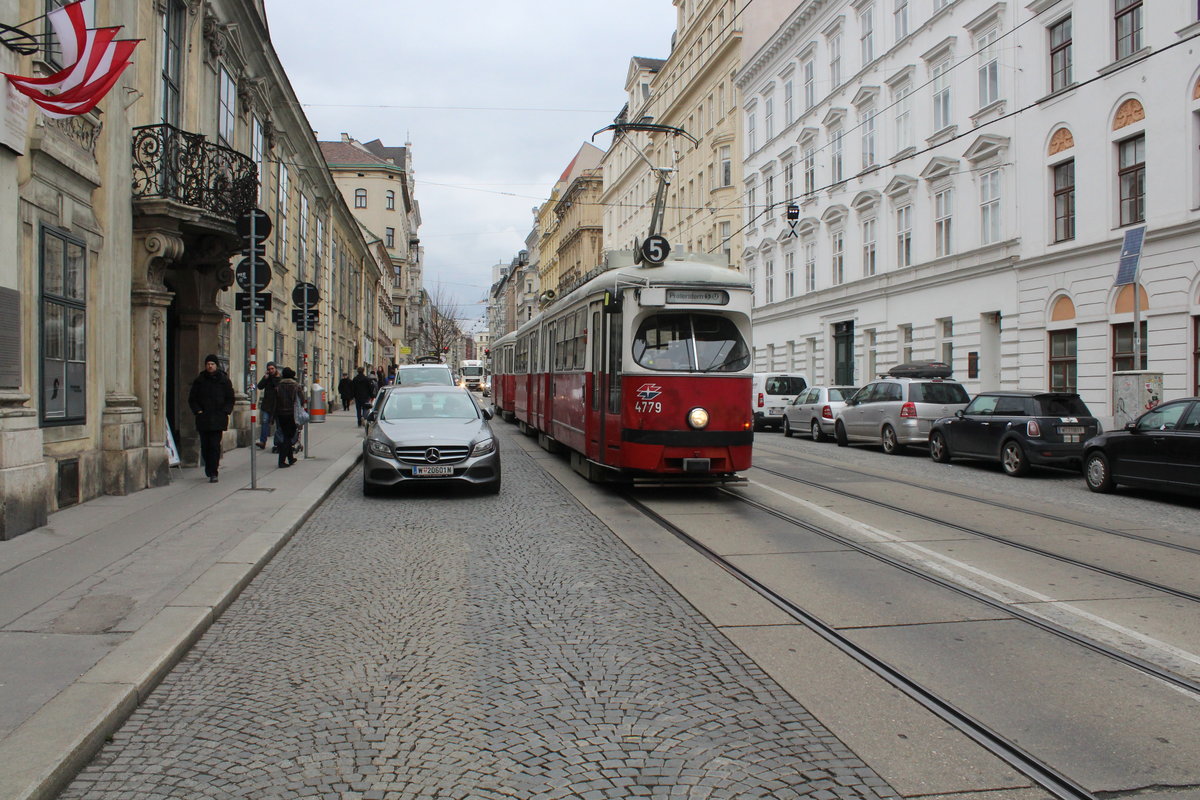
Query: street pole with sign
[(305, 297), (254, 227)]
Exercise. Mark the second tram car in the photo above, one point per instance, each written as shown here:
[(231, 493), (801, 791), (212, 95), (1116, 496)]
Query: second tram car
[(641, 372)]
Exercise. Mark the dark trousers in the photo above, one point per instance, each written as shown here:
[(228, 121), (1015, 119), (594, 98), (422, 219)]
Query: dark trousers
[(287, 427), (346, 403), (362, 408), (210, 451)]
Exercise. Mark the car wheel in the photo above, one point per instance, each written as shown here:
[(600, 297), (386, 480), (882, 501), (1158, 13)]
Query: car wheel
[(891, 445), (1013, 459), (1097, 474), (787, 428), (839, 433), (939, 451), (818, 435)]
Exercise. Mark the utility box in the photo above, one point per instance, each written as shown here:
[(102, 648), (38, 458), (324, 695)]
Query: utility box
[(1134, 393)]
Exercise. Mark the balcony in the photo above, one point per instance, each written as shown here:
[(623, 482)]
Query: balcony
[(181, 168)]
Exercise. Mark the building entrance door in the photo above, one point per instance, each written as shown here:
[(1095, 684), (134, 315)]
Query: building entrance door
[(843, 353)]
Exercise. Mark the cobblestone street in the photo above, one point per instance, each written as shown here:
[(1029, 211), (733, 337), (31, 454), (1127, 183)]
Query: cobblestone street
[(449, 645)]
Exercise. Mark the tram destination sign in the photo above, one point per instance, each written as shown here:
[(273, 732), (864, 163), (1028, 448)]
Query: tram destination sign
[(700, 297)]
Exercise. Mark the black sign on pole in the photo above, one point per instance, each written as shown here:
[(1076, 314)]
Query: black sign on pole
[(305, 295), (262, 302), (257, 220), (262, 274)]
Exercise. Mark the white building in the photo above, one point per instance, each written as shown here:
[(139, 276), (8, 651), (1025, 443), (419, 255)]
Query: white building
[(965, 173)]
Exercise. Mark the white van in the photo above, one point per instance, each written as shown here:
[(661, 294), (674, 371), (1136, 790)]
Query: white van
[(770, 393)]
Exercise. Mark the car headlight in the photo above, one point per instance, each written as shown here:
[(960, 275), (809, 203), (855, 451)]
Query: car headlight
[(379, 448), (482, 448), (698, 418)]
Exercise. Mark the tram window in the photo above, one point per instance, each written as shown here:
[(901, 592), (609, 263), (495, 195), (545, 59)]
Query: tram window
[(690, 342), (615, 349), (596, 337)]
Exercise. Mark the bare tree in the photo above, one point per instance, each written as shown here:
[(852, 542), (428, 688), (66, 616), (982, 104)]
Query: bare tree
[(440, 331)]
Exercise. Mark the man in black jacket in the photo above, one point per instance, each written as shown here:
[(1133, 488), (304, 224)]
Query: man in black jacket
[(266, 402), (211, 400), (364, 393), (346, 390)]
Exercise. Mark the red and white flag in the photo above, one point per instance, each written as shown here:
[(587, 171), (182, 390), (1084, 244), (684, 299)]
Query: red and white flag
[(94, 59)]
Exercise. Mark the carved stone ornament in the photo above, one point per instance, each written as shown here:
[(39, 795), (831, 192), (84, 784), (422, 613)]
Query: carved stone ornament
[(1131, 111), (214, 35), (157, 325), (79, 130), (1061, 140), (163, 250)]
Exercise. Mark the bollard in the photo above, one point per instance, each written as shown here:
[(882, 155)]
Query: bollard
[(316, 404)]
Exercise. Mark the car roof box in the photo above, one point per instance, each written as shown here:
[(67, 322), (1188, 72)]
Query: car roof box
[(921, 369)]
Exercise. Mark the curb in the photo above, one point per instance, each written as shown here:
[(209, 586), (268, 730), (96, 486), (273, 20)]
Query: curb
[(49, 749)]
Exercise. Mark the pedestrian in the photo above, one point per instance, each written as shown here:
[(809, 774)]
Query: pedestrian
[(346, 390), (266, 403), (287, 393), (211, 400), (364, 393)]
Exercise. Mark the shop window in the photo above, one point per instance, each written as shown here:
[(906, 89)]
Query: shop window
[(64, 328)]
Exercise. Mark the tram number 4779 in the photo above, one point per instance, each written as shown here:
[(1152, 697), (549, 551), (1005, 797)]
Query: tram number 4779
[(647, 407)]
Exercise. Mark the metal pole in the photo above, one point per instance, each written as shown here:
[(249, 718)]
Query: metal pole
[(252, 349), (1137, 324)]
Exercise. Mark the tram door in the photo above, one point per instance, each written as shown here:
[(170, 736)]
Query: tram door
[(593, 393), (610, 391)]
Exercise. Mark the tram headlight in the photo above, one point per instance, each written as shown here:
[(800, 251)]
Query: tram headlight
[(698, 418)]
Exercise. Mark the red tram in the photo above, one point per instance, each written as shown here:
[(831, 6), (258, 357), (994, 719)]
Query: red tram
[(642, 372)]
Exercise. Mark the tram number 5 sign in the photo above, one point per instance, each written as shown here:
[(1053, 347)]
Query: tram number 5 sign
[(655, 250)]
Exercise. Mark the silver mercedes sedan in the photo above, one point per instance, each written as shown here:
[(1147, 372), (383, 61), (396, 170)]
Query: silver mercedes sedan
[(430, 434)]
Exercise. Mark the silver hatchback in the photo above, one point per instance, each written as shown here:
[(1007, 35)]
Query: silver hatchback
[(815, 410), (896, 412)]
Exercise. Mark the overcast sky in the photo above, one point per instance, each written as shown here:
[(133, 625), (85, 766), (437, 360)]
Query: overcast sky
[(495, 97)]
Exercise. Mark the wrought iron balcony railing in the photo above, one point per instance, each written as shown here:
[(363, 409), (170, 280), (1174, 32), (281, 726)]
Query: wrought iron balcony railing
[(170, 164)]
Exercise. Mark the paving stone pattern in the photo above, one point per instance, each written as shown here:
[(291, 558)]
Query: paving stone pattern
[(442, 644)]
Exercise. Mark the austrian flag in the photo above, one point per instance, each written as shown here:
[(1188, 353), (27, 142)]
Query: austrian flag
[(95, 59)]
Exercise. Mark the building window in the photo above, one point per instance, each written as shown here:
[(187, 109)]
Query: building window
[(281, 213), (943, 209), (868, 251), (810, 169), (725, 234), (1064, 201), (1131, 175), (227, 110), (770, 280), (900, 17), (941, 95), (1060, 55), (1128, 15), (174, 23), (360, 198), (391, 200), (835, 157), (905, 335), (789, 274), (989, 207), (838, 271), (726, 166), (258, 148), (397, 315), (752, 205), (810, 266), (868, 138), (769, 119), (789, 182), (789, 105), (866, 27), (904, 236), (946, 337), (810, 84), (389, 237), (751, 132), (303, 231), (904, 127), (1062, 361), (768, 192), (989, 68), (1123, 359), (64, 328), (835, 61)]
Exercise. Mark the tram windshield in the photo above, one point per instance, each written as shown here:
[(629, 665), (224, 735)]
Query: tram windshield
[(687, 342)]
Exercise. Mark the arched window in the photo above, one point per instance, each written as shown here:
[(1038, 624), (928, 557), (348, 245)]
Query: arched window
[(360, 198), (1063, 337), (391, 200)]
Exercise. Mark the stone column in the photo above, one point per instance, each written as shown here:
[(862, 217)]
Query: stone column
[(124, 444), (23, 479), (150, 299)]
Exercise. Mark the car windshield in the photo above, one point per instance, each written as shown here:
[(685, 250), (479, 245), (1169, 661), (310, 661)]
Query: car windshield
[(946, 393), (1064, 405), (437, 375), (690, 342), (840, 395), (785, 384), (428, 405)]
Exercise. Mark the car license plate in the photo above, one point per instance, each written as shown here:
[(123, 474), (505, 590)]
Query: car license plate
[(426, 472), (1071, 434), (775, 412)]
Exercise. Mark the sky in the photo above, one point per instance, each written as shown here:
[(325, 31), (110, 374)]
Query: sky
[(494, 97)]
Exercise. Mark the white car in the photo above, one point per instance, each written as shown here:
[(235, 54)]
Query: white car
[(815, 410), (770, 393)]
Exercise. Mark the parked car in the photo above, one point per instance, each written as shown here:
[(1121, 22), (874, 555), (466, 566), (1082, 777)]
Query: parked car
[(430, 434), (769, 393), (413, 374), (1158, 450), (897, 411), (814, 410), (1018, 429)]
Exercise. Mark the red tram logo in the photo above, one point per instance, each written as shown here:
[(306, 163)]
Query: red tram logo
[(649, 391)]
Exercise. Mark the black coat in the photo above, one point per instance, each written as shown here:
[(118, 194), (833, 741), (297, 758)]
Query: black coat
[(267, 385), (364, 391), (346, 388), (211, 400)]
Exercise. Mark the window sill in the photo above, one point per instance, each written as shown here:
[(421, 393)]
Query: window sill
[(989, 113), (1133, 58), (944, 135), (1057, 93)]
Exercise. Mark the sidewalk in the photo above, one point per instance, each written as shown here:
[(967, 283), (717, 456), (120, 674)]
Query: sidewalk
[(98, 605)]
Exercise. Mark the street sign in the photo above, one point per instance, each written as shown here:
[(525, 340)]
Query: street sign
[(311, 325), (259, 316), (262, 225), (241, 301), (262, 274), (302, 315), (259, 250), (655, 250), (305, 294)]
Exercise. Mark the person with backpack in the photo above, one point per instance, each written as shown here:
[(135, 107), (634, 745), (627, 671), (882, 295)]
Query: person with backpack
[(288, 396)]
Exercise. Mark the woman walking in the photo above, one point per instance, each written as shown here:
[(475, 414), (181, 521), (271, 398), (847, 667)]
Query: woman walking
[(287, 394), (211, 400)]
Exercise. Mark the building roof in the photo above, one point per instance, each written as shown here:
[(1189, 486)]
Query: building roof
[(350, 152)]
